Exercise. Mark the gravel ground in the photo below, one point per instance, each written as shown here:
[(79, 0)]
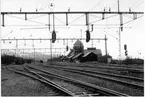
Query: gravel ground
[(13, 84), (100, 82)]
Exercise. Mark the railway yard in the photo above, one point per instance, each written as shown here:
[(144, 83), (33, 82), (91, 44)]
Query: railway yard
[(73, 48), (72, 79)]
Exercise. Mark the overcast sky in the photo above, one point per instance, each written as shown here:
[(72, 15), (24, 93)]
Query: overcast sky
[(132, 35)]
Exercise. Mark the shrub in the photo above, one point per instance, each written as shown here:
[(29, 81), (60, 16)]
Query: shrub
[(133, 61), (41, 61), (28, 60)]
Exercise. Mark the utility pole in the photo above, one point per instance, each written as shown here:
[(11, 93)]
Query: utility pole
[(50, 51), (51, 8), (81, 34), (34, 55), (120, 15), (118, 6), (16, 46), (33, 49), (50, 39), (106, 46)]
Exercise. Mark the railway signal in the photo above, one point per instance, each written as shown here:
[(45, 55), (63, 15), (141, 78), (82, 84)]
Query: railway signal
[(67, 48), (126, 53), (125, 48), (87, 36), (53, 36)]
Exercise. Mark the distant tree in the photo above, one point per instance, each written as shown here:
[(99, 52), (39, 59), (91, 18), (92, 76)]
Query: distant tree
[(9, 59)]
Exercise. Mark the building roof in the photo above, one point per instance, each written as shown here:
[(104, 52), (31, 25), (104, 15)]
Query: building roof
[(71, 56), (70, 53), (78, 44), (63, 57), (88, 54), (95, 51), (86, 51), (76, 56)]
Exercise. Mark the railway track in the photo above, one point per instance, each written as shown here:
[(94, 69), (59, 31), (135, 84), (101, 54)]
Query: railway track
[(125, 80), (132, 66), (118, 71), (132, 70), (59, 89), (90, 89)]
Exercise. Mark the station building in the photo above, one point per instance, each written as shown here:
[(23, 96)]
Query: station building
[(79, 54)]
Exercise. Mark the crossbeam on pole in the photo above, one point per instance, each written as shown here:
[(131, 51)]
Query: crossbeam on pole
[(50, 39), (75, 12), (33, 48)]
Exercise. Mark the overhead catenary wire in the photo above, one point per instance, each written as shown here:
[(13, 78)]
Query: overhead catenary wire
[(132, 20), (76, 19), (60, 20), (111, 35), (95, 16), (103, 19), (129, 23), (98, 27), (128, 16), (27, 20), (71, 22), (34, 21), (136, 6), (41, 8), (7, 34), (107, 30), (37, 16), (96, 5), (88, 11)]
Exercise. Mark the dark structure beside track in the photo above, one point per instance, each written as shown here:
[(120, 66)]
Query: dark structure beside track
[(89, 57)]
